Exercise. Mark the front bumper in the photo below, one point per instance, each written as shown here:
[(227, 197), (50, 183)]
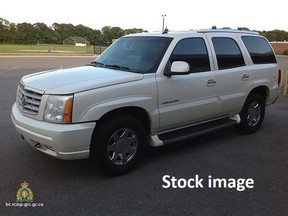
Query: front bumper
[(64, 141)]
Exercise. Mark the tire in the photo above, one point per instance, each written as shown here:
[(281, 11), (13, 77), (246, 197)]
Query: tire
[(118, 145), (252, 114)]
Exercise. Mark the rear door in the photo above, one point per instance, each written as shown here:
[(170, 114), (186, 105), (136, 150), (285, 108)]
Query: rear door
[(233, 75)]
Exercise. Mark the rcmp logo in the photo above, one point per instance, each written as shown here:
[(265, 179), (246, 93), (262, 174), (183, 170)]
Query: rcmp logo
[(24, 194)]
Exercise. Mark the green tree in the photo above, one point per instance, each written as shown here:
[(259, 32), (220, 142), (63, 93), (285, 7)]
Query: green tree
[(107, 35), (44, 33), (97, 38), (243, 29), (110, 33), (85, 32), (133, 31), (26, 33), (11, 35), (63, 31), (275, 35), (4, 30)]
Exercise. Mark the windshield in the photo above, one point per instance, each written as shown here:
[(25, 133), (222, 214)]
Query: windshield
[(135, 54)]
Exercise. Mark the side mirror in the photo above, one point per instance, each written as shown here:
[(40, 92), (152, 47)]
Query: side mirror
[(178, 68)]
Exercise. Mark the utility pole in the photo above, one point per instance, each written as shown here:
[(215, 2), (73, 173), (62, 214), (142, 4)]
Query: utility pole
[(163, 21)]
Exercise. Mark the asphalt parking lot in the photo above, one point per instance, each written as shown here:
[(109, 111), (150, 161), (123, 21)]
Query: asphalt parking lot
[(76, 188)]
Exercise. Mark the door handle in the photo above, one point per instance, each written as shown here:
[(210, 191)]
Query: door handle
[(245, 77), (210, 82)]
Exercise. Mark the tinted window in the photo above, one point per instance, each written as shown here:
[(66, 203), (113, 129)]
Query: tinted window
[(228, 53), (137, 54), (193, 51), (259, 50)]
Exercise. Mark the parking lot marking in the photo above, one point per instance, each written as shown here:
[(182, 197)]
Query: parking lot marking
[(6, 71)]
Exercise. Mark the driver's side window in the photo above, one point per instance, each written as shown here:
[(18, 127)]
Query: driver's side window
[(194, 52)]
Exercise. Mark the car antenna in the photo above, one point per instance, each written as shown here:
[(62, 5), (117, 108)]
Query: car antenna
[(165, 30)]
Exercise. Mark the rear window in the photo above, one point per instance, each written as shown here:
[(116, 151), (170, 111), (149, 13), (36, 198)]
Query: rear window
[(228, 53), (259, 50)]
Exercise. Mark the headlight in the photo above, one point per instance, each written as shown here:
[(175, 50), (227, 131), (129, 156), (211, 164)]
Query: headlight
[(58, 109)]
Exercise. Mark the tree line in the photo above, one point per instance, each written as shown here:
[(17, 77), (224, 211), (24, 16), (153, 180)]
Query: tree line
[(27, 33), (275, 35)]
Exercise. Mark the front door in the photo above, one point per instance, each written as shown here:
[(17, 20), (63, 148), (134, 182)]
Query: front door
[(187, 99)]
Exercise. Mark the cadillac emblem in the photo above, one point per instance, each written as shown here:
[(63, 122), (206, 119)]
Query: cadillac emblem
[(23, 100)]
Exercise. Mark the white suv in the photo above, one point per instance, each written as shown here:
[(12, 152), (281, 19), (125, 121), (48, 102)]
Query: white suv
[(150, 88)]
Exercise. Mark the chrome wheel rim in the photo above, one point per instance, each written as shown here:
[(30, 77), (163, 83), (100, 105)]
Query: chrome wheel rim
[(254, 114), (122, 146)]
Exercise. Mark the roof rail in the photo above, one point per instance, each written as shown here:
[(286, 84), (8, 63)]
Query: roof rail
[(228, 31)]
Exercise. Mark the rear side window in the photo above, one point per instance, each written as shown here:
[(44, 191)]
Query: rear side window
[(193, 51), (259, 50), (228, 53)]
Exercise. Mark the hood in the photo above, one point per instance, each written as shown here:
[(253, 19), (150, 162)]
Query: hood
[(77, 79)]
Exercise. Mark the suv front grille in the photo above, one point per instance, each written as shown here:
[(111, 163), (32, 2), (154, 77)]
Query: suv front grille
[(28, 100)]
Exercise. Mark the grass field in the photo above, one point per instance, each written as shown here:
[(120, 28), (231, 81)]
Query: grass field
[(50, 48)]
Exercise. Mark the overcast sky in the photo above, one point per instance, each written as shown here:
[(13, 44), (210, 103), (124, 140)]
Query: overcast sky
[(146, 14)]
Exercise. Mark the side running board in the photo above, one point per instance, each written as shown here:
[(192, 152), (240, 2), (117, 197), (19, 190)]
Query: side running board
[(197, 130)]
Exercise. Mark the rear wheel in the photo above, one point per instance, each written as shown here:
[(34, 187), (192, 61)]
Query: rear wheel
[(252, 114), (118, 144)]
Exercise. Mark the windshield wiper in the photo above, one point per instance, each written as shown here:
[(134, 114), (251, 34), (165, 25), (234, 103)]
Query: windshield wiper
[(96, 64), (114, 66)]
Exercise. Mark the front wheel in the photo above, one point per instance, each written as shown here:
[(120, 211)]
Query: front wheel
[(118, 144), (252, 114)]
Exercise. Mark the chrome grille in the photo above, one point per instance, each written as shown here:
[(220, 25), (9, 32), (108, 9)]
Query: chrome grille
[(28, 100)]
